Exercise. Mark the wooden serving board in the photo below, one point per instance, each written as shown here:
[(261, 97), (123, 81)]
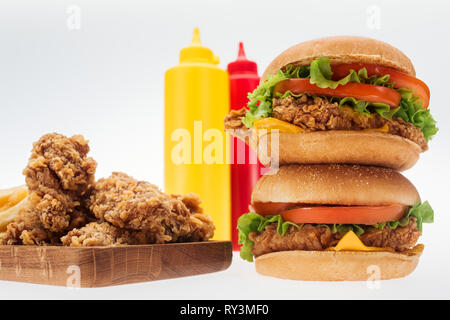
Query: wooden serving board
[(90, 267)]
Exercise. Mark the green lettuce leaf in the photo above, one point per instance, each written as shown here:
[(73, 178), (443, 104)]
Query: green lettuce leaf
[(423, 213), (365, 107), (289, 93), (393, 224), (344, 228), (411, 110), (321, 76), (253, 222), (319, 71), (361, 106), (260, 100)]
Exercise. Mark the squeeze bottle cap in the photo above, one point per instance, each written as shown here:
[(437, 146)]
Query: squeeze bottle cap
[(196, 52), (242, 65)]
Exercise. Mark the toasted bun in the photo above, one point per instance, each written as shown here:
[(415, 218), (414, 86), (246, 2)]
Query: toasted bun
[(338, 266), (338, 146), (343, 50), (335, 184)]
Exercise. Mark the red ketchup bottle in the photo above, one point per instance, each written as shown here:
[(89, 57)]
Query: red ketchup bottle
[(245, 168)]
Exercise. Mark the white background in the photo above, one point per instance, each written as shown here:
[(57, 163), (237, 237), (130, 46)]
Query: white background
[(105, 81)]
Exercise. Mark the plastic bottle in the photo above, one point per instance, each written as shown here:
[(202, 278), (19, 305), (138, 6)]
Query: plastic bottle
[(245, 171), (196, 102)]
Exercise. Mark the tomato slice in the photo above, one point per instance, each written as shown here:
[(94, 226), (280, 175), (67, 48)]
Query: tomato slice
[(360, 91), (273, 208), (400, 79), (367, 215)]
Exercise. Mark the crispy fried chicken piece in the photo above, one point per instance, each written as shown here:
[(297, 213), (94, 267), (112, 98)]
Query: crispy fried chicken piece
[(96, 234), (319, 114), (233, 120), (316, 237), (27, 229), (202, 226), (58, 163), (105, 234), (59, 176), (138, 205)]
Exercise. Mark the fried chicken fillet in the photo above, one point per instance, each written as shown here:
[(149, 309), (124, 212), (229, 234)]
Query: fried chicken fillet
[(96, 234), (66, 206), (313, 237), (59, 176), (105, 234), (319, 114), (145, 213)]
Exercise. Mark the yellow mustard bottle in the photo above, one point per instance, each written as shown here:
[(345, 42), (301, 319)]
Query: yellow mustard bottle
[(195, 155)]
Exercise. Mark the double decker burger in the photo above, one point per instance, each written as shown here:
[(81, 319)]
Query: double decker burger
[(334, 222), (339, 100)]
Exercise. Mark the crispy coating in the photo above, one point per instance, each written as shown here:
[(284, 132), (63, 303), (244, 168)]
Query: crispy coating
[(60, 164), (105, 234), (59, 175), (27, 229), (315, 237), (202, 227), (319, 114), (96, 234), (233, 120), (138, 205), (66, 206)]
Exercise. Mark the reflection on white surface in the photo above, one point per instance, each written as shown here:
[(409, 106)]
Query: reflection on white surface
[(241, 281)]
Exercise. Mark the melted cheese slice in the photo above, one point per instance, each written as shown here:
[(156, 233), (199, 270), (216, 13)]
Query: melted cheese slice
[(384, 129), (351, 242), (276, 124), (268, 124)]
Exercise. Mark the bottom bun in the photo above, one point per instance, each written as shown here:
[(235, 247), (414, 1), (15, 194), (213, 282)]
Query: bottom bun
[(338, 265), (337, 146)]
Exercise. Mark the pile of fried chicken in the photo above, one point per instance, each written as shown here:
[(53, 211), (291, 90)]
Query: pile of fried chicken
[(66, 206)]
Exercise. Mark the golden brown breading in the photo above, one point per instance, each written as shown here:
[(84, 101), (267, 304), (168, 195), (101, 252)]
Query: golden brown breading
[(318, 114), (58, 163), (96, 234), (59, 176), (61, 182), (27, 229), (319, 237), (105, 234), (202, 226), (138, 205), (233, 120)]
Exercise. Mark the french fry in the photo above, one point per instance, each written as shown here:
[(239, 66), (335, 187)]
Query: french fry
[(10, 214), (12, 201), (11, 197)]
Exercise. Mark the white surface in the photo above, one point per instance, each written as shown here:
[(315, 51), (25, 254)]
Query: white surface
[(241, 281), (105, 81)]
